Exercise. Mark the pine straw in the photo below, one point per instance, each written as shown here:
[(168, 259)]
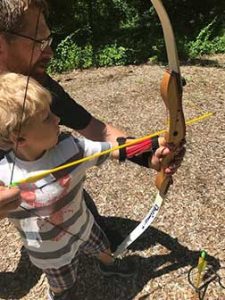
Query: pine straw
[(192, 217)]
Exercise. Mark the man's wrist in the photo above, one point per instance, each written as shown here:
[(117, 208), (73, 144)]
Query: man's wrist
[(137, 153), (122, 151), (155, 143)]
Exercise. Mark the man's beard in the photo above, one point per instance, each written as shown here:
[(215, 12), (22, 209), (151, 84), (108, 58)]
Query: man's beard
[(39, 76)]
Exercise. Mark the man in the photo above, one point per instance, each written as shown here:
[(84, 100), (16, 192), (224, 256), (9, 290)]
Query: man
[(25, 47)]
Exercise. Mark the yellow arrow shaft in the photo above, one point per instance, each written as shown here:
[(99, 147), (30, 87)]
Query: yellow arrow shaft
[(45, 173)]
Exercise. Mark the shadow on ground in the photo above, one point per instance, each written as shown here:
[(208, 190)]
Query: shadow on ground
[(15, 285)]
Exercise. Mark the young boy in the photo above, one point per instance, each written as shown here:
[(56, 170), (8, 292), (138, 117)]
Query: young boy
[(53, 220)]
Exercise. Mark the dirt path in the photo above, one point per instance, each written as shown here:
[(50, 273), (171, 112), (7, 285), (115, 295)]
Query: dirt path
[(192, 217)]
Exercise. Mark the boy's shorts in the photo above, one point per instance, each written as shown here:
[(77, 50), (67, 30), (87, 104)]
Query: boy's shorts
[(65, 277)]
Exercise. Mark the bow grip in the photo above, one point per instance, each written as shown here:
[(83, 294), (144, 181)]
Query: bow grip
[(163, 181)]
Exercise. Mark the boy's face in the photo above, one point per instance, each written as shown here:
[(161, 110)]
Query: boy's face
[(18, 51), (42, 132)]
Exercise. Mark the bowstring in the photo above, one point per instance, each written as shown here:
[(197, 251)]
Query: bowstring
[(24, 99)]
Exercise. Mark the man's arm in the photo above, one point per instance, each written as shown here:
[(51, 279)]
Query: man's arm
[(155, 158), (76, 117), (96, 130)]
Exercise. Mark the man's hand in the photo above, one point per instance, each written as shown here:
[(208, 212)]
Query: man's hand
[(9, 200), (162, 152)]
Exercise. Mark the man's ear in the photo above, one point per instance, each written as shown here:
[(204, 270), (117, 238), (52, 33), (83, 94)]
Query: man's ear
[(2, 42), (3, 53)]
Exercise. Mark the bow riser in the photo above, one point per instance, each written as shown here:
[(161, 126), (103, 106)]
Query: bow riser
[(171, 92)]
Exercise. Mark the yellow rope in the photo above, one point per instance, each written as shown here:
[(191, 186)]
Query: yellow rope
[(45, 173)]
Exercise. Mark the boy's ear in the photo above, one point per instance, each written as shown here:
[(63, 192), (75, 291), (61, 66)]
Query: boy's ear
[(18, 140), (21, 140)]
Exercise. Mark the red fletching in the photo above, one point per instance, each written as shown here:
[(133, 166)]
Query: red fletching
[(138, 148)]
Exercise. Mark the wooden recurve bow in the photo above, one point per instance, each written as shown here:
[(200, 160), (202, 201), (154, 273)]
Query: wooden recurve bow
[(171, 92)]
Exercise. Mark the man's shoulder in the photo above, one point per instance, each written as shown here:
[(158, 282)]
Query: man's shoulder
[(72, 114), (52, 84)]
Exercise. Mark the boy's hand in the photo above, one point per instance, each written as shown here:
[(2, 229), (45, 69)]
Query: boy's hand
[(9, 200), (162, 152)]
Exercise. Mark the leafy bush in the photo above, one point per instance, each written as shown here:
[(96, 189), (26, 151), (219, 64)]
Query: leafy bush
[(205, 43), (69, 56), (118, 32), (112, 55)]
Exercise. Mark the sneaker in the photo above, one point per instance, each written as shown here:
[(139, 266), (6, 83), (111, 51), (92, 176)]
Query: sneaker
[(120, 268), (62, 296), (114, 236)]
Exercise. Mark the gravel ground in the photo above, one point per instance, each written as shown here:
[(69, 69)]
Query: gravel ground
[(193, 214)]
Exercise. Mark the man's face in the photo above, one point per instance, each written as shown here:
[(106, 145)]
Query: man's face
[(19, 49)]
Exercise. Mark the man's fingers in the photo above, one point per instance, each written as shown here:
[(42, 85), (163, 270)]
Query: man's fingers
[(9, 197), (9, 201), (158, 156), (3, 216), (161, 152), (11, 206), (176, 162)]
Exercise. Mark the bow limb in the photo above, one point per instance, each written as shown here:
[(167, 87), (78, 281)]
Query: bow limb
[(171, 92)]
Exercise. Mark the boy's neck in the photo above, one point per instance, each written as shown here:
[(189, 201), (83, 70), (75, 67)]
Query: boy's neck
[(28, 154)]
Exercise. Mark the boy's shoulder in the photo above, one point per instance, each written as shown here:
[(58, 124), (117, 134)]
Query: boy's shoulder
[(68, 143), (65, 137)]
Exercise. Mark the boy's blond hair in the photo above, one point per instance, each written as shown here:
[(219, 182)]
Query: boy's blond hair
[(16, 110)]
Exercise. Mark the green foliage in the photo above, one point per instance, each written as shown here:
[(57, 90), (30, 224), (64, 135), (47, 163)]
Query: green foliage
[(112, 55), (66, 56), (205, 43), (70, 56), (118, 32)]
